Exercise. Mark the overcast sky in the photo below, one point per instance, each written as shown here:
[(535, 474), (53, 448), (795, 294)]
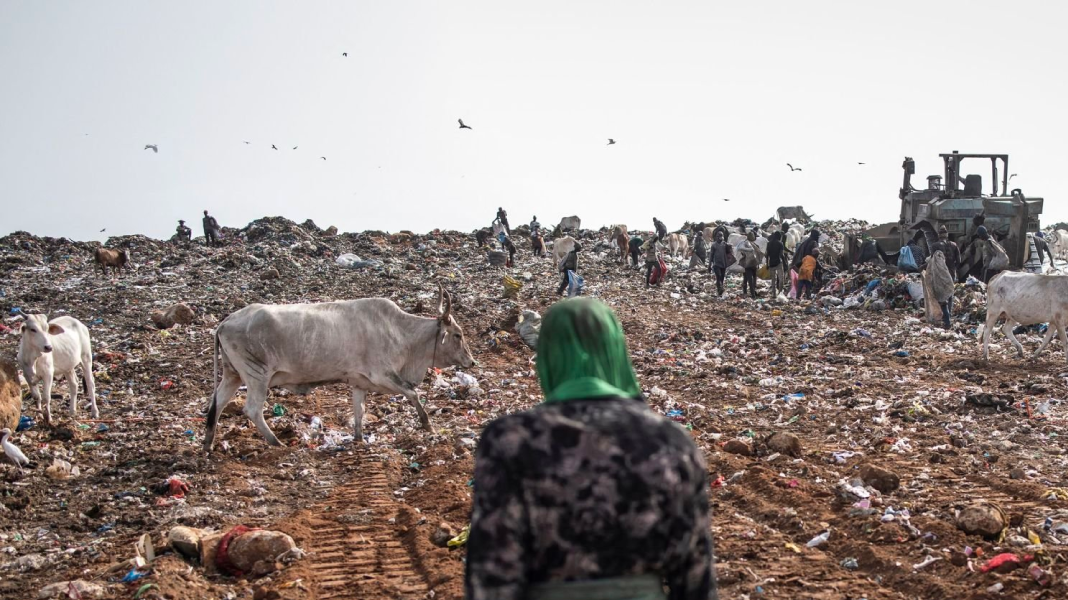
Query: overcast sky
[(706, 100)]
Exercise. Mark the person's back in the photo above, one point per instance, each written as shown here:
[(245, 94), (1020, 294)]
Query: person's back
[(591, 494), (808, 268), (616, 484), (775, 251)]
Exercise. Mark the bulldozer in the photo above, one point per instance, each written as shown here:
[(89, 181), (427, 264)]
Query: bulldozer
[(959, 203)]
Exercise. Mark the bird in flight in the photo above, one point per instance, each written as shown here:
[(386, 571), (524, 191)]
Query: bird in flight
[(294, 147), (103, 230), (462, 126), (323, 157), (273, 147), (792, 168), (246, 143), (860, 163), (344, 54), (726, 199), (611, 141), (1011, 176), (152, 147)]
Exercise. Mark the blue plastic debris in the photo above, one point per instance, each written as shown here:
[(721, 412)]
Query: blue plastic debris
[(25, 422), (862, 332), (132, 576), (902, 354), (102, 428), (795, 396)]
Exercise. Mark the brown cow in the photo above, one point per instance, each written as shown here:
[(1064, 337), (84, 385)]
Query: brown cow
[(106, 257)]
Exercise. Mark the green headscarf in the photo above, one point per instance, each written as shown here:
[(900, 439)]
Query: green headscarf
[(582, 353)]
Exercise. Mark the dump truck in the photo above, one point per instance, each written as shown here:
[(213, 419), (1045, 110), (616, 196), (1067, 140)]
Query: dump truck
[(958, 201)]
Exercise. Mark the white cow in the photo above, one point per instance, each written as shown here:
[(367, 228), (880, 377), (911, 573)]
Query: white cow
[(1026, 299), (561, 248), (676, 243), (370, 344), (56, 346)]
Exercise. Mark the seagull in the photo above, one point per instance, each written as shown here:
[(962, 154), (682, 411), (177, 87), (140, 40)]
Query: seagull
[(323, 157), (344, 54), (11, 451), (152, 147), (462, 126), (792, 167), (273, 147), (611, 141)]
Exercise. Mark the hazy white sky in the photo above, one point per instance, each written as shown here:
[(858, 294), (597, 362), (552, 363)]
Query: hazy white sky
[(707, 100)]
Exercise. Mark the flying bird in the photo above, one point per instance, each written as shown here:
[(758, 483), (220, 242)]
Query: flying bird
[(726, 199), (860, 163), (792, 167), (11, 452), (103, 230), (152, 147), (1011, 176), (273, 147), (462, 126), (294, 147), (323, 157), (611, 141), (246, 143), (344, 54)]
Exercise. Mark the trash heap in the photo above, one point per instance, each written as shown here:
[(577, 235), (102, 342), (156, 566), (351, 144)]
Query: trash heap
[(861, 450)]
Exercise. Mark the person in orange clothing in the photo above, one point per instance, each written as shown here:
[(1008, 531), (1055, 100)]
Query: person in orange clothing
[(807, 273)]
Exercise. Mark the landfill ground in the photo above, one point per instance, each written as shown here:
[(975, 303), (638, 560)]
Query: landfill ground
[(729, 369)]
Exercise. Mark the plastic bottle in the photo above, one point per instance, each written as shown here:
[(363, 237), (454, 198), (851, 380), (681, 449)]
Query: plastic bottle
[(819, 540)]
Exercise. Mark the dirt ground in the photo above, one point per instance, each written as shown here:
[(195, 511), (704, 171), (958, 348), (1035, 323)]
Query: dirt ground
[(729, 369)]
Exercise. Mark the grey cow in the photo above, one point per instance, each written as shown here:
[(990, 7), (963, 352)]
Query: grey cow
[(371, 344)]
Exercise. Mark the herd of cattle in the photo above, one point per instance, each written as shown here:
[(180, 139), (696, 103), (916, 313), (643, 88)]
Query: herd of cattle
[(374, 346)]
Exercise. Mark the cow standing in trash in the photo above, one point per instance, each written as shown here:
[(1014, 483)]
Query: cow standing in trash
[(57, 346), (1026, 299), (371, 344)]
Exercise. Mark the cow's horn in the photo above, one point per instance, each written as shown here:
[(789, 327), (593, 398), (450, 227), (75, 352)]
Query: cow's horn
[(441, 298), (448, 305)]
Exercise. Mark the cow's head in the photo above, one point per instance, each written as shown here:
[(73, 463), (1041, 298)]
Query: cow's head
[(452, 347), (37, 333)]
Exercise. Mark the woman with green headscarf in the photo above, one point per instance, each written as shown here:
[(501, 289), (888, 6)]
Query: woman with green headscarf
[(591, 495)]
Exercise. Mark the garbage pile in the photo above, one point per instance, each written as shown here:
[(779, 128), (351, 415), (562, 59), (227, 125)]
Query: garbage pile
[(860, 450)]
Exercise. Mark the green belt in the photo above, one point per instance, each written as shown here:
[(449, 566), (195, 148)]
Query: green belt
[(634, 587)]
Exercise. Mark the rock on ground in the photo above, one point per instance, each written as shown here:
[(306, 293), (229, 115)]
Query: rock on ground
[(10, 396), (785, 443), (879, 478), (987, 520), (738, 447), (176, 314), (71, 589), (442, 534), (256, 552)]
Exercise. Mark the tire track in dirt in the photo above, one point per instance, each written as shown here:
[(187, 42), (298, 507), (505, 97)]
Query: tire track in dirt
[(356, 549)]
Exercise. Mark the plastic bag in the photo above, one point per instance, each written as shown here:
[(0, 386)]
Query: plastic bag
[(764, 272), (793, 284), (574, 284), (528, 327), (511, 286), (905, 260), (1000, 260), (351, 261)]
